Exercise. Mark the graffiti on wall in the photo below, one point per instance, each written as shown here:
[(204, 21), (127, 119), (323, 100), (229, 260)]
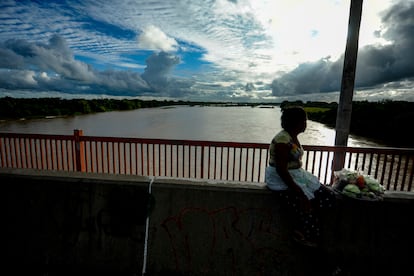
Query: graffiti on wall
[(203, 240)]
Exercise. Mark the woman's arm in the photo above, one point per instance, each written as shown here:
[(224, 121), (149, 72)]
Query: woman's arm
[(282, 153)]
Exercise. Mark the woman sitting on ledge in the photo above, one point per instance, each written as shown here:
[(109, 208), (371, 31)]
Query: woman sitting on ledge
[(304, 195)]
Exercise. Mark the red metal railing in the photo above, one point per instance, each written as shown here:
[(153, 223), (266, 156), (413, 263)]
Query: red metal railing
[(192, 159)]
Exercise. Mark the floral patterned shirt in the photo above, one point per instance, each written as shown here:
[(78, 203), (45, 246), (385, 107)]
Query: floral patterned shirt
[(295, 154)]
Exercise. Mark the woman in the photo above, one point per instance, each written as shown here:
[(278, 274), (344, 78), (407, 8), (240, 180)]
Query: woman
[(304, 194)]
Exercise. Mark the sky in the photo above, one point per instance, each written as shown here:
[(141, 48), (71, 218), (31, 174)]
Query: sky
[(203, 50)]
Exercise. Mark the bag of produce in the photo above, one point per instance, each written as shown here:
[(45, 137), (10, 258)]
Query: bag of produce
[(357, 185)]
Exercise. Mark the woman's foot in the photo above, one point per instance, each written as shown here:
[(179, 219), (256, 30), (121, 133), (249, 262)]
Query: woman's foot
[(300, 238)]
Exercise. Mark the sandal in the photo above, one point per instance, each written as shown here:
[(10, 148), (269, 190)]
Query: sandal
[(300, 238)]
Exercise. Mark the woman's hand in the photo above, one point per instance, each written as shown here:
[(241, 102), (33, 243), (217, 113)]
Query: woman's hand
[(304, 201)]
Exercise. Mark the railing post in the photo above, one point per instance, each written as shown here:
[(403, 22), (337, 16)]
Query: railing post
[(202, 162), (79, 151)]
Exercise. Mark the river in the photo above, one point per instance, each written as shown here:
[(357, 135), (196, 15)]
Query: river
[(211, 123)]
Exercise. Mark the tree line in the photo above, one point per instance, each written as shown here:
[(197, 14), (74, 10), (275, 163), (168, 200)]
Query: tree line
[(15, 108), (387, 121)]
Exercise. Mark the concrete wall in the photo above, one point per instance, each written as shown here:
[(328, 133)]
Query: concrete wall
[(67, 223)]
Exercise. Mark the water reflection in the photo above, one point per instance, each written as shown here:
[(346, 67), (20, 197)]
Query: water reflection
[(237, 124)]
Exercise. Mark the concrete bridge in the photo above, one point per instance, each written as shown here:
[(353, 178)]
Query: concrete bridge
[(71, 223)]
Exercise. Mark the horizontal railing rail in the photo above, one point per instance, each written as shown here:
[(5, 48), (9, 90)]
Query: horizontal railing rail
[(232, 161)]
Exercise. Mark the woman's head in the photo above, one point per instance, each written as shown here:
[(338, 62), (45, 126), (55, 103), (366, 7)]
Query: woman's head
[(294, 119)]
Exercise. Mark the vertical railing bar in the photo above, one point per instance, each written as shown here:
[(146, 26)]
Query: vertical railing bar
[(125, 157), (397, 173), (126, 164), (165, 160), (357, 162), (202, 162), (195, 161), (364, 156), (56, 151), (159, 159), (208, 161), (59, 150), (171, 160), (13, 153), (21, 157), (153, 160), (246, 169), (221, 163), (119, 157), (307, 160), (2, 152), (320, 163), (183, 162), (101, 161), (410, 182), (384, 166), (371, 160), (29, 149), (89, 149), (234, 163), (26, 155), (247, 164), (130, 159), (8, 152), (53, 157), (226, 165), (404, 178), (45, 164), (136, 159), (253, 167), (350, 160), (147, 158), (189, 161), (113, 157), (56, 147), (32, 149), (141, 149), (15, 159), (176, 161), (260, 164), (64, 151), (216, 161), (325, 173), (50, 153), (391, 170), (240, 163), (377, 165), (97, 159), (313, 161), (108, 157)]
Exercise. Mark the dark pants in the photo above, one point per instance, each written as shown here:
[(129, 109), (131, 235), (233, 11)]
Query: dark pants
[(305, 221)]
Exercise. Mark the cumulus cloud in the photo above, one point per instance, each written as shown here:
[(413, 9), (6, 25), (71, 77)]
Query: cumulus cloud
[(52, 67), (376, 64), (152, 38), (54, 56), (159, 66)]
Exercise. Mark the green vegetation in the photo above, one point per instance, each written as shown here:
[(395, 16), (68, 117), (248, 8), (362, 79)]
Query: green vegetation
[(15, 108), (388, 122)]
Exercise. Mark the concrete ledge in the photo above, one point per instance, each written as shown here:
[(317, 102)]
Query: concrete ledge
[(62, 223)]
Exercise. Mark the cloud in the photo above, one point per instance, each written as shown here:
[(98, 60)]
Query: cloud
[(376, 64), (54, 56), (159, 66), (52, 66), (152, 38)]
